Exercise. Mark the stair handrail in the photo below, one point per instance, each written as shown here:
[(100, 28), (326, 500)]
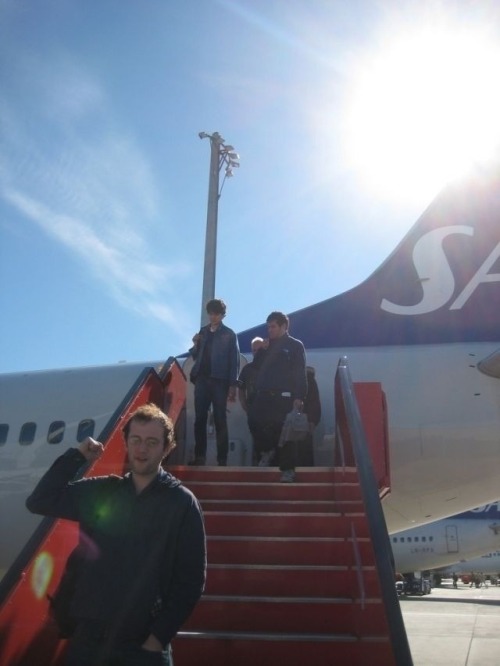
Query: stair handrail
[(346, 406), (15, 571)]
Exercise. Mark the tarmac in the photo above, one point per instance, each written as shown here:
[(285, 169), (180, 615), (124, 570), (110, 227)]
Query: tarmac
[(454, 627)]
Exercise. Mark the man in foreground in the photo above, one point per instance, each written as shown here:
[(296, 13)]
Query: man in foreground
[(142, 543)]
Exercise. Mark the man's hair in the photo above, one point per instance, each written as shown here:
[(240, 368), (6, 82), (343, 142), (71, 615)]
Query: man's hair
[(216, 306), (151, 412), (279, 317)]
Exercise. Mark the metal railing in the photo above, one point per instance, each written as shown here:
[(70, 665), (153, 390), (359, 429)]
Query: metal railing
[(353, 445)]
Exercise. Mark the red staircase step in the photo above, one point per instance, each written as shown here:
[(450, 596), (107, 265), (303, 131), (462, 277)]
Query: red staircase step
[(279, 506), (245, 490), (280, 580), (329, 615), (290, 649), (262, 474), (279, 550), (319, 484), (285, 524), (347, 491)]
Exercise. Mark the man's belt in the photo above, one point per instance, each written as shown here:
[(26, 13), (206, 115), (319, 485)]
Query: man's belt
[(282, 394)]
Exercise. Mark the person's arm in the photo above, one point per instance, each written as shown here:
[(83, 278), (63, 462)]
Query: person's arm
[(187, 581), (242, 398), (234, 362), (260, 355), (313, 403), (53, 494), (299, 390), (242, 388), (197, 340)]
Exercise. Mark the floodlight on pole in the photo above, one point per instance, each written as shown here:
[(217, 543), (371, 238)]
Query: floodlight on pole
[(221, 156)]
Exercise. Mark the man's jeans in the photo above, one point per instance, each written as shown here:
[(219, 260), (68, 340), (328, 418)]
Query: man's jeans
[(89, 649), (266, 415), (209, 391)]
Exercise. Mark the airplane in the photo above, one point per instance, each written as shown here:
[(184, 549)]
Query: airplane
[(425, 324), (447, 541), (487, 565)]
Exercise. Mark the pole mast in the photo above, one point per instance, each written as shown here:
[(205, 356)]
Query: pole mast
[(220, 155), (208, 291)]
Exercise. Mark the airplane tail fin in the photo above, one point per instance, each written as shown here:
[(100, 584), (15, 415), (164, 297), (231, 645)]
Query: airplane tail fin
[(441, 283)]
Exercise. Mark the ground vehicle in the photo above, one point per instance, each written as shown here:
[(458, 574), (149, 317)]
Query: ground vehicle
[(413, 585)]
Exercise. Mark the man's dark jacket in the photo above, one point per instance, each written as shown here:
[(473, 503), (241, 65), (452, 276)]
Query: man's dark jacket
[(282, 367), (225, 357), (141, 551)]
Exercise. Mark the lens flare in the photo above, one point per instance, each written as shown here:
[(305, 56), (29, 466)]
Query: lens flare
[(41, 574)]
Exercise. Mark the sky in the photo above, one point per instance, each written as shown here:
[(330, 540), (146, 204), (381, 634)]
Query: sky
[(348, 116)]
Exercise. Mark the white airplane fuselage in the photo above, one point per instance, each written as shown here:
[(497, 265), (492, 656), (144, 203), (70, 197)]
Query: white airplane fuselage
[(447, 541), (444, 434), (487, 564)]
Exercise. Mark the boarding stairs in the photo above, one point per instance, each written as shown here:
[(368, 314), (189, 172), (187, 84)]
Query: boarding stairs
[(291, 574), (296, 572), (292, 568)]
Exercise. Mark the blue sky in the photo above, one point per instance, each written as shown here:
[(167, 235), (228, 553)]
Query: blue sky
[(344, 136)]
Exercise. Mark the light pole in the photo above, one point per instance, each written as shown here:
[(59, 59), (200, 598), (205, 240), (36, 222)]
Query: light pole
[(221, 155)]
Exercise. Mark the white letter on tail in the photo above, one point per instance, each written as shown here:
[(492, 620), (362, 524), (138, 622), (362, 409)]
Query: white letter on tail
[(433, 271), (482, 275)]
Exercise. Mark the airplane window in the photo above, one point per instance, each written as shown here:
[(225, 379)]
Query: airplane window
[(424, 538), (431, 538), (56, 432), (27, 434), (4, 431), (416, 538), (85, 429)]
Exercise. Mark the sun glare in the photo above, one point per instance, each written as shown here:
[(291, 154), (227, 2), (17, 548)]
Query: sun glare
[(424, 109)]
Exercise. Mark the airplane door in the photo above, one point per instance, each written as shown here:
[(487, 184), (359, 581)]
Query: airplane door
[(451, 539)]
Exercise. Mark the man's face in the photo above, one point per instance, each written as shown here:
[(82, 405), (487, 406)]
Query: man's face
[(145, 447), (215, 318), (274, 330)]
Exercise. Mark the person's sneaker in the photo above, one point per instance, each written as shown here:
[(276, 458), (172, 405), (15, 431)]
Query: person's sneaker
[(266, 458), (288, 476), (198, 461)]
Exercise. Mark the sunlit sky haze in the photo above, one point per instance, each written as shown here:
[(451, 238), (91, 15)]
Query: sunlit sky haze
[(423, 106)]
